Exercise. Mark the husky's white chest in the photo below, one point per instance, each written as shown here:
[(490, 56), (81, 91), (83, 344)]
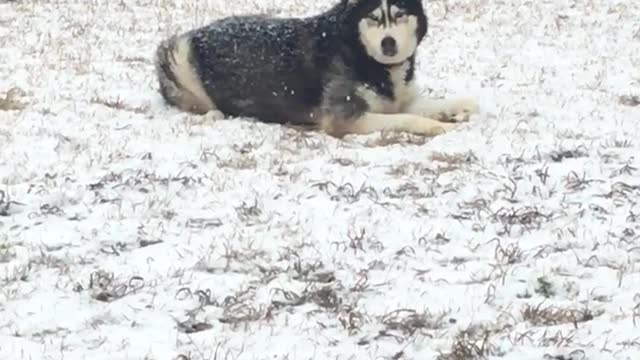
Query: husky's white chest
[(404, 92)]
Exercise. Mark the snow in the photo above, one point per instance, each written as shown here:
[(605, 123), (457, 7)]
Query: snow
[(129, 230)]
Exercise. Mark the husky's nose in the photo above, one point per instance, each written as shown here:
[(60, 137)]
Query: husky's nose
[(389, 46)]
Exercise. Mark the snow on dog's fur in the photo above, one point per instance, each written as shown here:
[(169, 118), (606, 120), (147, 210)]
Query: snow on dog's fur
[(347, 70)]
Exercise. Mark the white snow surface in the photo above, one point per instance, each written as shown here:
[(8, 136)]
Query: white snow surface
[(131, 230)]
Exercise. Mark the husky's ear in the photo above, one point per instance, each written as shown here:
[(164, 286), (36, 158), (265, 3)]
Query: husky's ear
[(349, 3), (344, 6)]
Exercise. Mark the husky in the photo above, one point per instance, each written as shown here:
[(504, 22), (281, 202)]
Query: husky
[(348, 70)]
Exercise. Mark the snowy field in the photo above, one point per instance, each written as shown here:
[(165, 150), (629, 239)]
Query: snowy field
[(129, 230)]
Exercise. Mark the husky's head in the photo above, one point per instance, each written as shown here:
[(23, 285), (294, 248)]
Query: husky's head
[(390, 30)]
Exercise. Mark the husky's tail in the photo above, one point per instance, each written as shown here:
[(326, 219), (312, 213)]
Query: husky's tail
[(180, 84)]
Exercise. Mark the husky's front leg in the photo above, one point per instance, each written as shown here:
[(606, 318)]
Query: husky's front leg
[(369, 123), (446, 110), (347, 110)]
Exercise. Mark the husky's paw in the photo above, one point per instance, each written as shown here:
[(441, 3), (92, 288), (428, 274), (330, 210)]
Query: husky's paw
[(457, 110), (213, 115), (444, 127), (429, 126)]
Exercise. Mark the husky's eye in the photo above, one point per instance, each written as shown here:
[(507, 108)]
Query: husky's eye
[(373, 17), (402, 16), (373, 20)]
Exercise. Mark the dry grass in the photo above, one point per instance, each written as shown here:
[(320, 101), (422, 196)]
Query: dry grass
[(630, 100), (12, 100), (545, 288), (526, 219), (540, 315), (7, 253), (119, 104), (561, 155), (408, 322), (451, 162), (473, 343)]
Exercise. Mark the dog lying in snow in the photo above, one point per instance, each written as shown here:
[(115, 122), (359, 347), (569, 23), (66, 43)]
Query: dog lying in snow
[(349, 70)]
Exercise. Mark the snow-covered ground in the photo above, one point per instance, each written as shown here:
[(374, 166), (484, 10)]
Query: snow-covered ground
[(129, 230)]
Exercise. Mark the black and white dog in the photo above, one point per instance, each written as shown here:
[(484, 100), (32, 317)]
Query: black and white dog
[(349, 70)]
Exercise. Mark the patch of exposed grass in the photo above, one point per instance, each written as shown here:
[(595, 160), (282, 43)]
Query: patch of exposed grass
[(454, 158), (560, 155), (619, 143), (105, 287), (526, 218), (11, 100), (6, 253), (249, 213), (473, 343), (408, 322), (545, 287), (119, 104), (540, 315), (244, 162), (407, 190), (629, 100), (6, 203), (347, 192), (453, 161)]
